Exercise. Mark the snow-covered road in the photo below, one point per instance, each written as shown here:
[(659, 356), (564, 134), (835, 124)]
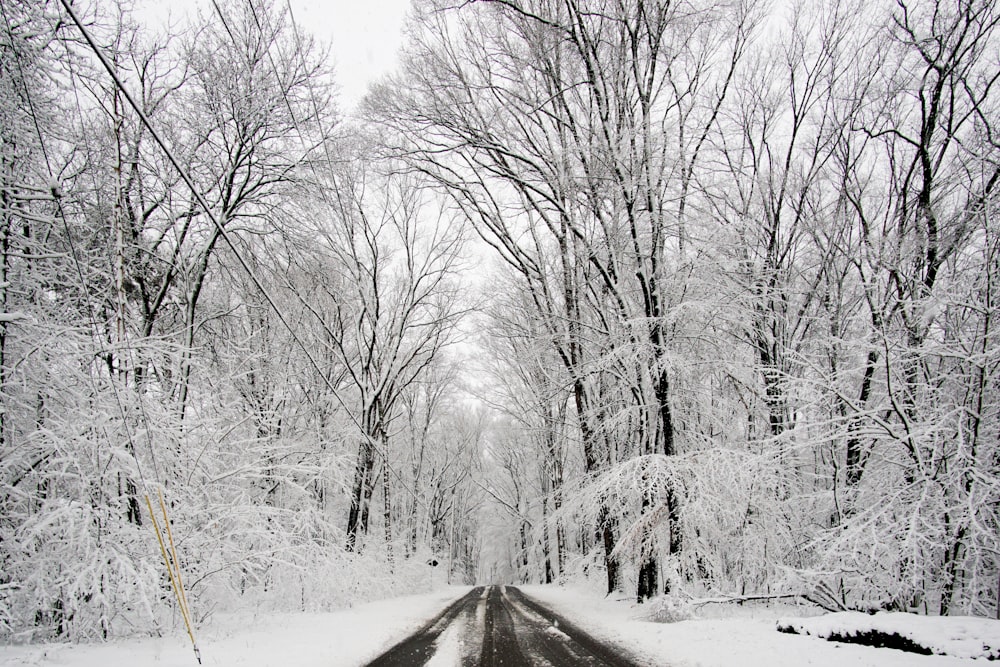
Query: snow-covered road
[(499, 625)]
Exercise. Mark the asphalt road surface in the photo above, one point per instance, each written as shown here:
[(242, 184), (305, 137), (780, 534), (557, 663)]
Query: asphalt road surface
[(499, 625)]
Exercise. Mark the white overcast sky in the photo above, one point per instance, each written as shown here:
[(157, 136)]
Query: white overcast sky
[(363, 35)]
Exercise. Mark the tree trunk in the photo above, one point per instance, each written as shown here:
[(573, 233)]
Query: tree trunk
[(357, 517), (523, 558), (648, 585), (607, 536), (952, 569), (4, 273), (387, 513), (856, 457), (606, 525), (549, 578)]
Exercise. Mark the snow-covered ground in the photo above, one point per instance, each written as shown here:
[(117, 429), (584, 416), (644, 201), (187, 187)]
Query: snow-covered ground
[(750, 639), (960, 636), (342, 639)]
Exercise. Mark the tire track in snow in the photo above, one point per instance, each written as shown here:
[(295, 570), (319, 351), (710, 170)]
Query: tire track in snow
[(498, 626)]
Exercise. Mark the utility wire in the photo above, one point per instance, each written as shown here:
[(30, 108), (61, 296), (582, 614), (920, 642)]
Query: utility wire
[(324, 194), (219, 224)]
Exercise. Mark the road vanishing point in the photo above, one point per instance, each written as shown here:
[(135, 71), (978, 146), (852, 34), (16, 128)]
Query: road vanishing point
[(499, 625)]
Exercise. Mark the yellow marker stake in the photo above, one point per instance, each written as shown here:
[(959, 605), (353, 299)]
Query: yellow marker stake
[(177, 564), (172, 571)]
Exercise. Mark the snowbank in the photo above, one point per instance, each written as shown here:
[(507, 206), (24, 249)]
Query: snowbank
[(343, 638), (959, 636), (749, 641)]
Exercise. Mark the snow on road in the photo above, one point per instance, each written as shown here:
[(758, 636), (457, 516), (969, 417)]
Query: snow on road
[(748, 642), (449, 648), (342, 639), (513, 631)]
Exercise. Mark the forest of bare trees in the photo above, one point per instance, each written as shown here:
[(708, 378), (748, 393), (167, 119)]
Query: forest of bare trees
[(682, 297)]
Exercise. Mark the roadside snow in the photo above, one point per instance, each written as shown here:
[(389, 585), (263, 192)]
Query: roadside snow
[(355, 636), (749, 642), (343, 638), (960, 636)]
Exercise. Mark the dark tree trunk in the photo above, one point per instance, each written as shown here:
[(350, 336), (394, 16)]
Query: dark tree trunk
[(648, 584), (4, 265), (546, 549), (607, 537), (856, 458), (524, 553), (387, 513), (357, 517)]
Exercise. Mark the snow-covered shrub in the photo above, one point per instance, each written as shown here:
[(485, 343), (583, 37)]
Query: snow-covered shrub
[(669, 609), (734, 529), (918, 531), (79, 561)]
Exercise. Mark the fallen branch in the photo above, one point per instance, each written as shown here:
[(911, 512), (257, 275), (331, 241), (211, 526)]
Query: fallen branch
[(740, 599)]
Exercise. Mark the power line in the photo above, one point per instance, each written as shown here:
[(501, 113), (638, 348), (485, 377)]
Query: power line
[(220, 224), (324, 194), (216, 222)]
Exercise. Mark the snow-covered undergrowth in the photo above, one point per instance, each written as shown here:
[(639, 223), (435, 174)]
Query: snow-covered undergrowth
[(282, 576), (331, 582), (258, 639), (720, 636), (959, 636)]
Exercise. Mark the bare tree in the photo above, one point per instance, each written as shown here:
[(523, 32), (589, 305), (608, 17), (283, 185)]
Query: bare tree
[(395, 306)]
